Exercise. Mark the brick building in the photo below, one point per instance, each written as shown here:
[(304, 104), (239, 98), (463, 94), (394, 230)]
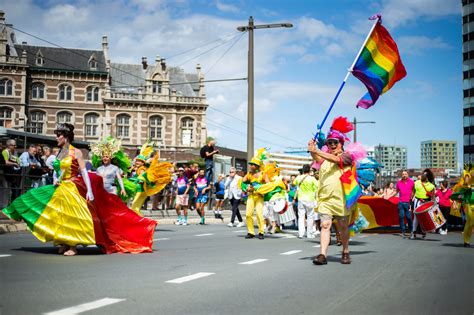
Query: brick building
[(42, 86)]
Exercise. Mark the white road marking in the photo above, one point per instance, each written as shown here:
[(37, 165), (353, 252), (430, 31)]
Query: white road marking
[(317, 246), (5, 255), (205, 234), (363, 236), (251, 262), (161, 239), (86, 307), (291, 252), (289, 236), (239, 231), (191, 277)]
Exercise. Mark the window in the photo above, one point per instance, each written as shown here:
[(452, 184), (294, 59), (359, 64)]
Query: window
[(156, 87), (123, 126), (39, 59), (187, 125), (6, 87), (92, 124), (93, 63), (37, 121), (6, 117), (156, 127), (37, 90), (64, 117), (65, 92), (92, 94)]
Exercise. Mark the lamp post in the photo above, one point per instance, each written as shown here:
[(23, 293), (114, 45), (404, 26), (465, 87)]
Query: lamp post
[(355, 122), (250, 80)]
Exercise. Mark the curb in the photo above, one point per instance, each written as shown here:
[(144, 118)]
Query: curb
[(12, 227)]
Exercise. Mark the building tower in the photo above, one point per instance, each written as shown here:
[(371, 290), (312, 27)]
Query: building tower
[(468, 78)]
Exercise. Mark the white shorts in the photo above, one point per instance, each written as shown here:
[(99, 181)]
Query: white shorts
[(182, 200)]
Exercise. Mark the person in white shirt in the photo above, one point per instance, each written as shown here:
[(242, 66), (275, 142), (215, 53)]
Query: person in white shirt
[(28, 159), (234, 194)]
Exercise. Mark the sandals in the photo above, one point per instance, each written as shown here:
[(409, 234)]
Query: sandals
[(71, 252), (320, 260), (346, 259)]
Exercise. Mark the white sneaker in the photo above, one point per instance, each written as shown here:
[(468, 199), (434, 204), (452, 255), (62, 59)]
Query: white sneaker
[(230, 224), (443, 232), (178, 223), (185, 223), (241, 224), (317, 233), (310, 236)]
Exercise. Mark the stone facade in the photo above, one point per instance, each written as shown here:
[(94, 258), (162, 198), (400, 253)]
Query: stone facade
[(41, 86)]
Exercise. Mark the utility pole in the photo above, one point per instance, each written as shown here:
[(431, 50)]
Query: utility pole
[(250, 80), (355, 122)]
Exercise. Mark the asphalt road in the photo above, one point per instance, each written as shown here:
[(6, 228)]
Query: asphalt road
[(227, 274)]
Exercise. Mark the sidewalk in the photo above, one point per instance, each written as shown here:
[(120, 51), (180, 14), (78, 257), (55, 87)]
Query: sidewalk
[(162, 216)]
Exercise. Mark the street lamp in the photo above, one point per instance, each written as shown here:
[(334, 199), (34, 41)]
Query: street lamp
[(355, 122), (250, 79)]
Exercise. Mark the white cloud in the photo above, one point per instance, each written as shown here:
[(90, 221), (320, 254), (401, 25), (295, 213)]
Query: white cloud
[(225, 7), (400, 12), (417, 45)]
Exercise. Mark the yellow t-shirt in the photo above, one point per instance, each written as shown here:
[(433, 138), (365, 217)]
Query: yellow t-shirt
[(420, 192)]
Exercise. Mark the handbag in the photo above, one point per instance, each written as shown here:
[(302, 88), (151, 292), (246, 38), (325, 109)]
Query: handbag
[(429, 194), (350, 185)]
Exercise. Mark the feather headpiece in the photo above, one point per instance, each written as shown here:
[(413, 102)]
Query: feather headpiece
[(112, 148), (340, 126)]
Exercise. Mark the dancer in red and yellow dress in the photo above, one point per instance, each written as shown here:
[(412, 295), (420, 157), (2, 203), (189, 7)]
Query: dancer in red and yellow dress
[(77, 210)]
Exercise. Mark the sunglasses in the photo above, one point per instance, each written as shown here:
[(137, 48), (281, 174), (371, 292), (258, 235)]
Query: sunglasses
[(332, 142)]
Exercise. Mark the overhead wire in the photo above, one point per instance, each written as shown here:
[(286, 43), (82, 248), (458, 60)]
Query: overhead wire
[(131, 74), (115, 68)]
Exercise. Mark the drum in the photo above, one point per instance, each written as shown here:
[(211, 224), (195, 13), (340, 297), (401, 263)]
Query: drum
[(429, 216), (287, 216), (280, 205)]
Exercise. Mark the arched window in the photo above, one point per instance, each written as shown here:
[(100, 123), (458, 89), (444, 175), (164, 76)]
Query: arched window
[(37, 121), (92, 94), (187, 127), (92, 125), (157, 87), (37, 90), (123, 126), (64, 117), (65, 92), (6, 117), (155, 127), (6, 87)]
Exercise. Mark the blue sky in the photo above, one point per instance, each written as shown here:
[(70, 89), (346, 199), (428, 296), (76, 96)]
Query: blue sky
[(297, 71)]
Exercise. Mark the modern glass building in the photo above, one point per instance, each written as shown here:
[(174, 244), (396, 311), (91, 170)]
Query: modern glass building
[(468, 78)]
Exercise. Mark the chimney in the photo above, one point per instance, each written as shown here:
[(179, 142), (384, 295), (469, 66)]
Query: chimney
[(163, 64), (2, 17), (24, 43), (144, 62), (157, 59), (105, 50)]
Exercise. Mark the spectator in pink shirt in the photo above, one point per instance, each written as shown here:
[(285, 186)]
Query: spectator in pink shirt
[(443, 195), (405, 192)]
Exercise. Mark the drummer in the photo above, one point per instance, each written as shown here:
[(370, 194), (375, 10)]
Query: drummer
[(424, 192)]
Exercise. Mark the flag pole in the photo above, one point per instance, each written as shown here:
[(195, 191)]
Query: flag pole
[(377, 18)]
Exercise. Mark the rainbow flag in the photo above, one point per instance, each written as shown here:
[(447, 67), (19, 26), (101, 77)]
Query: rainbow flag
[(379, 66)]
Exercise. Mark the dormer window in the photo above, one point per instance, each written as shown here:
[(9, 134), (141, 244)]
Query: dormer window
[(93, 63), (157, 87), (39, 60)]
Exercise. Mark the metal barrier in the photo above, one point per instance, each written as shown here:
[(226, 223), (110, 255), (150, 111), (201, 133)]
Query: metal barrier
[(15, 183)]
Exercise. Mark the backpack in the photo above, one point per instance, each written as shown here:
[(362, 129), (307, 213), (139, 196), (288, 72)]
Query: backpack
[(203, 152)]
